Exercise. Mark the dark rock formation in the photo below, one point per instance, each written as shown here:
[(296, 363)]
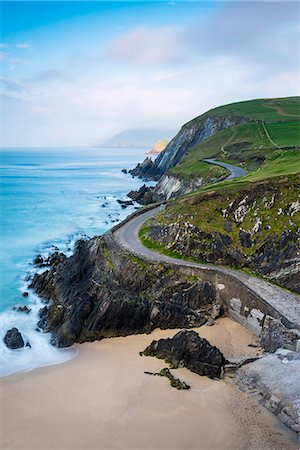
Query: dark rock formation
[(25, 294), (174, 382), (24, 309), (188, 349), (143, 195), (38, 261), (245, 238), (145, 170), (13, 339), (125, 203), (52, 260), (101, 292)]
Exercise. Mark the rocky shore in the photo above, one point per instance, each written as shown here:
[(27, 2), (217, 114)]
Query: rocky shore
[(101, 291)]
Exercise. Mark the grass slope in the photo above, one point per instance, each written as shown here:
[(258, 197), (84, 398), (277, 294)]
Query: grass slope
[(275, 125)]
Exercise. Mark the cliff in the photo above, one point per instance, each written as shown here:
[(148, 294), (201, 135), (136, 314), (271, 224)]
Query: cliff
[(190, 134), (101, 292), (246, 134)]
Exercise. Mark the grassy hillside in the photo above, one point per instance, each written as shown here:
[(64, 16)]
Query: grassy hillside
[(268, 110), (275, 126), (251, 222), (252, 226)]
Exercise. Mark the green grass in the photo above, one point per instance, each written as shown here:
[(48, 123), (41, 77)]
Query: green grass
[(285, 134), (267, 110), (282, 162), (245, 145)]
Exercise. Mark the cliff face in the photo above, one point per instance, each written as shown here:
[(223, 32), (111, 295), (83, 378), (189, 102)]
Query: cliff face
[(191, 134), (256, 227), (101, 292)]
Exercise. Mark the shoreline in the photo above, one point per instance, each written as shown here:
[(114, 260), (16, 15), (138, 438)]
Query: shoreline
[(27, 359), (102, 399)]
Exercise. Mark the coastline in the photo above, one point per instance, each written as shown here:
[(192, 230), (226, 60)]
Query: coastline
[(98, 210), (102, 399)]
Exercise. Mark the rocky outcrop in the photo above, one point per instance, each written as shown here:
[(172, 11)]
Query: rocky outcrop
[(101, 291), (274, 381), (188, 349), (13, 339), (54, 259), (275, 335), (146, 170)]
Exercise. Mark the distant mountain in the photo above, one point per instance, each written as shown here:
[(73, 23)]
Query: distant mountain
[(139, 138)]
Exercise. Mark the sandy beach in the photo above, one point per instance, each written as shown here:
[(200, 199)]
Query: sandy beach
[(103, 400)]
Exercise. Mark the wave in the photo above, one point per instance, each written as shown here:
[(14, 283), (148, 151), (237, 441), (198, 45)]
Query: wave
[(41, 352)]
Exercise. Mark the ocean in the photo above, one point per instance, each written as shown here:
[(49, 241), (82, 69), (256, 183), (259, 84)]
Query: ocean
[(49, 199)]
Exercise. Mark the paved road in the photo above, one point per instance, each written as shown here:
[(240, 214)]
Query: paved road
[(234, 172), (284, 302)]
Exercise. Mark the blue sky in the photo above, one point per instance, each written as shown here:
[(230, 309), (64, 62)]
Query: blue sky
[(74, 73)]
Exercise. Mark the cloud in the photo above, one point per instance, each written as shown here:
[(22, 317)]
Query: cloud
[(23, 45), (11, 85), (260, 32), (47, 75), (147, 46)]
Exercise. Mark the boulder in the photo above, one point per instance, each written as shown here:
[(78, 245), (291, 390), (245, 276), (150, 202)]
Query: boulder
[(13, 339), (245, 238), (125, 203), (24, 309), (188, 349)]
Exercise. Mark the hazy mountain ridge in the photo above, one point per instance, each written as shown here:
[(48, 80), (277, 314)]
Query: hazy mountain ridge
[(139, 137)]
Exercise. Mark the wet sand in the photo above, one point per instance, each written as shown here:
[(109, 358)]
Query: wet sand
[(103, 400)]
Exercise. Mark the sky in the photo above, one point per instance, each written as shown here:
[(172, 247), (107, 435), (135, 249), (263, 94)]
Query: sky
[(76, 73)]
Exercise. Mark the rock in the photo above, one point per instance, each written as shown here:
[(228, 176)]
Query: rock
[(25, 294), (274, 380), (13, 339), (174, 382), (145, 169), (28, 344), (227, 226), (54, 259), (274, 335), (124, 171), (188, 349), (143, 195), (101, 291), (245, 238), (38, 260), (125, 203), (24, 309)]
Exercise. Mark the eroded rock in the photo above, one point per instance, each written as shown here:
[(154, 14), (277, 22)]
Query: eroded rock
[(13, 339), (188, 349)]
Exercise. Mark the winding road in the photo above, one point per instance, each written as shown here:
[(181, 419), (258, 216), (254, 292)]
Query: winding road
[(285, 302), (234, 172), (126, 235)]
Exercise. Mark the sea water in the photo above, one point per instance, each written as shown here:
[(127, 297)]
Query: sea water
[(49, 199)]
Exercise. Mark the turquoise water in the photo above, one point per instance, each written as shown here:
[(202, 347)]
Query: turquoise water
[(50, 198)]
